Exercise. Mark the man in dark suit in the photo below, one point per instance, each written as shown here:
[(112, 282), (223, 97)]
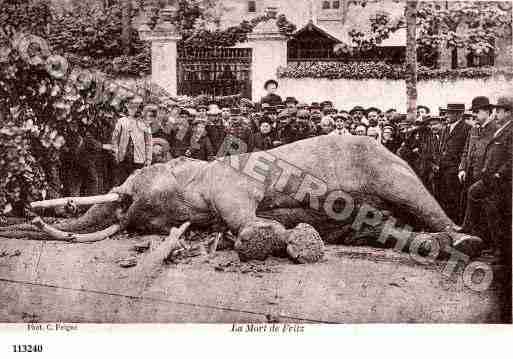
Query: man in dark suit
[(271, 97), (493, 191), (472, 159), (452, 144)]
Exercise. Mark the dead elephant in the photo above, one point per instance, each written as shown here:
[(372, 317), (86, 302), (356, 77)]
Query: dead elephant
[(326, 181)]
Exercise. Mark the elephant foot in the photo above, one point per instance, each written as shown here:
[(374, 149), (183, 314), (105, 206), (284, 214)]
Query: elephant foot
[(263, 238), (467, 244), (260, 239), (304, 244), (448, 242)]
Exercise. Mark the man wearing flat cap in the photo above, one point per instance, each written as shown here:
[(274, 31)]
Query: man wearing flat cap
[(452, 144), (237, 128), (161, 150), (301, 127), (420, 151), (302, 106), (315, 107), (389, 114), (216, 130), (263, 139), (180, 135), (291, 102), (358, 113), (326, 107), (493, 191), (284, 133), (226, 113), (246, 107), (200, 147), (202, 111)]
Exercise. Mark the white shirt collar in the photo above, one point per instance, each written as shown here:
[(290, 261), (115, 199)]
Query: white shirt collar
[(452, 125)]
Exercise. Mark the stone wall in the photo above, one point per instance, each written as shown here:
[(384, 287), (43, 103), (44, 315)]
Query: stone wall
[(385, 94)]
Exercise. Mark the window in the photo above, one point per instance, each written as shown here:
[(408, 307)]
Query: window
[(252, 6), (484, 59), (335, 5), (325, 5)]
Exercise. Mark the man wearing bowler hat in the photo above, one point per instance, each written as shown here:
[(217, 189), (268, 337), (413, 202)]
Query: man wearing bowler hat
[(472, 158), (423, 111), (271, 98), (492, 192), (452, 144)]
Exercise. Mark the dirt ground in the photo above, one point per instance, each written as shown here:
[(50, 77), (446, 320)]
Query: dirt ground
[(61, 282)]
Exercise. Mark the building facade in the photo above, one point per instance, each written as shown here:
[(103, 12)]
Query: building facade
[(336, 18)]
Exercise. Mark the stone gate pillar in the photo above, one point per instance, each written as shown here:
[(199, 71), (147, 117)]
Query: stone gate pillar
[(164, 38), (269, 52)]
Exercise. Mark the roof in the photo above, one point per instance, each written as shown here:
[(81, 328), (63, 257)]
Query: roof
[(358, 18), (311, 27), (341, 35)]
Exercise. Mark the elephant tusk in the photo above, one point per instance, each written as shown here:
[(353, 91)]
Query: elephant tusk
[(79, 201), (58, 235), (96, 236)]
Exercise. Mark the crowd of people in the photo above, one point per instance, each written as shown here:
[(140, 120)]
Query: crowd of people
[(463, 156)]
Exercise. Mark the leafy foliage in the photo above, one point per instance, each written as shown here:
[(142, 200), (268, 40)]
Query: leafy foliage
[(234, 34), (482, 22), (30, 16), (470, 24), (382, 25), (90, 36), (22, 178), (44, 108), (381, 70)]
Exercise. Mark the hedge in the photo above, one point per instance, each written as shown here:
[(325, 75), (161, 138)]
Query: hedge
[(383, 71), (134, 65)]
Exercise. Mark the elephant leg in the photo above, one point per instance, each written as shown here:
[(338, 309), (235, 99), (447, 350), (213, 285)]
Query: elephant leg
[(397, 184), (259, 238)]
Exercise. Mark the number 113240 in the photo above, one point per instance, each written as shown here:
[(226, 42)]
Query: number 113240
[(22, 348)]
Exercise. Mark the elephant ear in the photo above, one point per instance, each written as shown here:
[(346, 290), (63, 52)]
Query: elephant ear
[(157, 181), (304, 244)]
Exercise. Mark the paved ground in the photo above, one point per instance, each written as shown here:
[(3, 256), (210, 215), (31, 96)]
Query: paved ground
[(49, 282)]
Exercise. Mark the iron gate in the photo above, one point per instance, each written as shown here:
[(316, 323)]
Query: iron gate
[(216, 71)]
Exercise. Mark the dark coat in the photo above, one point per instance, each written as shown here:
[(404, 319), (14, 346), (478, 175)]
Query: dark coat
[(284, 134), (216, 133), (260, 142), (420, 150), (240, 132), (452, 145), (472, 158), (179, 141), (272, 99), (202, 150), (498, 154)]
